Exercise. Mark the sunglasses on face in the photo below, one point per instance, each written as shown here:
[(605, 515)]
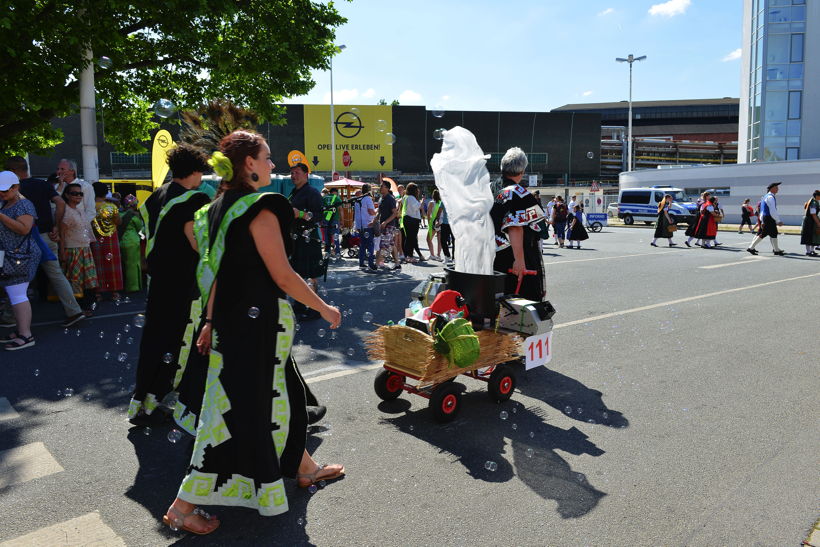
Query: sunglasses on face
[(75, 194)]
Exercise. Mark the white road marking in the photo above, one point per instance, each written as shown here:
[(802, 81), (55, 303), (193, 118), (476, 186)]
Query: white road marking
[(325, 369), (746, 260), (25, 463), (680, 301), (87, 530), (598, 318), (610, 257), (7, 411)]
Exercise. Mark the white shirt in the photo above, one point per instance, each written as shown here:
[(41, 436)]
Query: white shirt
[(771, 202), (412, 207), (550, 205), (361, 211), (572, 205), (88, 205)]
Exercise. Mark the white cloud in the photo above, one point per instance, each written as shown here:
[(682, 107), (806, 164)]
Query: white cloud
[(670, 8), (733, 55), (342, 96), (586, 93), (369, 94), (408, 96), (445, 97), (607, 11)]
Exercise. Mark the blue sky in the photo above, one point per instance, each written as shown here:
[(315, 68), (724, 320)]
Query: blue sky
[(524, 55)]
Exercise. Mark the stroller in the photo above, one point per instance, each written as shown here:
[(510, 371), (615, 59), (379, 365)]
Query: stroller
[(350, 242)]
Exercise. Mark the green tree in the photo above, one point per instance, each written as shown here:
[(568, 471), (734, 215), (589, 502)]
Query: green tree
[(251, 52)]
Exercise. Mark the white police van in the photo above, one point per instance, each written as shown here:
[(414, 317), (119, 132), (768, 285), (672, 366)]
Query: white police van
[(642, 204)]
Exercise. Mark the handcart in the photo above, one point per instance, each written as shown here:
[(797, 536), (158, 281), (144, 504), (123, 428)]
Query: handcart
[(596, 221), (504, 323)]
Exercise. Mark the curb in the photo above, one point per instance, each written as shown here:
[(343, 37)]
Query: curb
[(785, 230)]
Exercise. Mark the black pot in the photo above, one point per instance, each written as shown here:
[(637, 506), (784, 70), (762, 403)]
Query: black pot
[(479, 291)]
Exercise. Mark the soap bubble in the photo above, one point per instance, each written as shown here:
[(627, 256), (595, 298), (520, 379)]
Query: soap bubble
[(515, 426), (109, 256), (253, 312), (79, 332), (504, 415), (298, 327), (139, 320), (567, 410), (107, 356), (321, 333), (515, 409), (438, 134), (87, 397), (333, 335), (167, 358), (490, 465), (313, 489), (65, 331), (367, 317), (126, 327), (146, 431), (294, 236), (104, 62), (68, 392), (371, 286), (530, 452), (174, 435), (437, 111), (590, 155), (390, 139), (355, 110), (384, 293), (126, 300), (129, 340), (532, 434), (381, 126), (300, 521), (122, 357), (102, 334), (36, 372), (164, 108), (580, 410), (322, 484), (351, 352), (59, 393)]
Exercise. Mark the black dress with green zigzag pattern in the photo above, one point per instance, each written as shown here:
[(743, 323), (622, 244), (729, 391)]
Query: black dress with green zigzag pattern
[(253, 424)]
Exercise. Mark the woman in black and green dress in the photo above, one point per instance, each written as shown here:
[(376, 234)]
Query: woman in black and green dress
[(664, 221), (253, 424)]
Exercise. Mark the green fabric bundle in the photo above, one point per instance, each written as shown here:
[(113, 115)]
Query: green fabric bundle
[(458, 341)]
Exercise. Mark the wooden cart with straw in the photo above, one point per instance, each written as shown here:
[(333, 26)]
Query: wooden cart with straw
[(409, 354)]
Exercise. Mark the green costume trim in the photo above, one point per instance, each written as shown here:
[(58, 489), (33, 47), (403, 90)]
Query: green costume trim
[(150, 404), (401, 214), (149, 243)]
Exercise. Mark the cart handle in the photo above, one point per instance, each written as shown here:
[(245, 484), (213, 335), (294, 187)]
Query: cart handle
[(521, 277)]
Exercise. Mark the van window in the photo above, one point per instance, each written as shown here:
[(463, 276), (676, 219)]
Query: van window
[(658, 197), (635, 197)]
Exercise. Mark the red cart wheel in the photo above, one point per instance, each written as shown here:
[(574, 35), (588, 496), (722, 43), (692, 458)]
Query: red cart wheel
[(502, 383), (445, 401), (388, 385)]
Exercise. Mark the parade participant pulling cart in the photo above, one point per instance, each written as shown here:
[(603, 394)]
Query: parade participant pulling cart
[(475, 319)]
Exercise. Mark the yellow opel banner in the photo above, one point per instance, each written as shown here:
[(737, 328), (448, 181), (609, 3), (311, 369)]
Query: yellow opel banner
[(159, 166), (364, 137)]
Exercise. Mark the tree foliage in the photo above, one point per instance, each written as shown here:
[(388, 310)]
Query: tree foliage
[(251, 52)]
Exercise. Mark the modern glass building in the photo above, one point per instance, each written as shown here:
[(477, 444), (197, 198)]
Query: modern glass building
[(780, 87)]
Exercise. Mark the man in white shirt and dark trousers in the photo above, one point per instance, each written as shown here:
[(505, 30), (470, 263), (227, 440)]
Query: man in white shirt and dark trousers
[(364, 213), (769, 220)]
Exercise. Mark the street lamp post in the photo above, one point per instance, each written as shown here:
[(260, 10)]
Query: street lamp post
[(333, 118), (631, 59)]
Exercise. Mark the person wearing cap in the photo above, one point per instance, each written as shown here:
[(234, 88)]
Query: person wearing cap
[(21, 257), (43, 196), (769, 220)]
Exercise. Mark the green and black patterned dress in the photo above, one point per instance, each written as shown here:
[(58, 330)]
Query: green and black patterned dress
[(253, 423)]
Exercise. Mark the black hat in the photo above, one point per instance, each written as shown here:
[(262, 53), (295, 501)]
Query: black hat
[(772, 185)]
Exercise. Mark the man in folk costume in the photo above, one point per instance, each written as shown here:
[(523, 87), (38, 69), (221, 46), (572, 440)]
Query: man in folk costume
[(769, 220), (171, 255)]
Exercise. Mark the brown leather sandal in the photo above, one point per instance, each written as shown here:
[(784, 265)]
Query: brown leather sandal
[(317, 476), (177, 521)]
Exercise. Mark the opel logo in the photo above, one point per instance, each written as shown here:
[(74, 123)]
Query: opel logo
[(348, 125)]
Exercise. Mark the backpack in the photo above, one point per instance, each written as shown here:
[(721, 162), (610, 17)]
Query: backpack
[(560, 211)]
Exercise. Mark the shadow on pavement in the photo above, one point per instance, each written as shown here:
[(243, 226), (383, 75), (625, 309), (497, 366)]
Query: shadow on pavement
[(479, 438)]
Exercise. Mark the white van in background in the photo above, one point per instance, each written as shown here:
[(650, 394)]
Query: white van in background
[(642, 204)]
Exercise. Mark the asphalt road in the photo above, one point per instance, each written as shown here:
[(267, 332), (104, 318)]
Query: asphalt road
[(680, 408)]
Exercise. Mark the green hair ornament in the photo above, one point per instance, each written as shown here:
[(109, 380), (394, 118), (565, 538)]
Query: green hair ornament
[(222, 165)]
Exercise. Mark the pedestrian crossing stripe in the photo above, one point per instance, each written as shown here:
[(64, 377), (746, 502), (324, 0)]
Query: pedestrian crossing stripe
[(26, 463), (85, 530)]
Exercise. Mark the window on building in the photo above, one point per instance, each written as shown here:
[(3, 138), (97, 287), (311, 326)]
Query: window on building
[(792, 153), (793, 128), (776, 105), (795, 98), (798, 13), (777, 49), (797, 48)]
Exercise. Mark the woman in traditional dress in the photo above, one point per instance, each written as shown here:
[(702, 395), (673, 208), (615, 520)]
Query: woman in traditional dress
[(75, 251), (106, 246), (412, 221), (253, 425), (691, 230), (130, 243), (21, 257), (664, 222), (746, 211), (433, 233), (810, 231), (706, 230), (577, 232)]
